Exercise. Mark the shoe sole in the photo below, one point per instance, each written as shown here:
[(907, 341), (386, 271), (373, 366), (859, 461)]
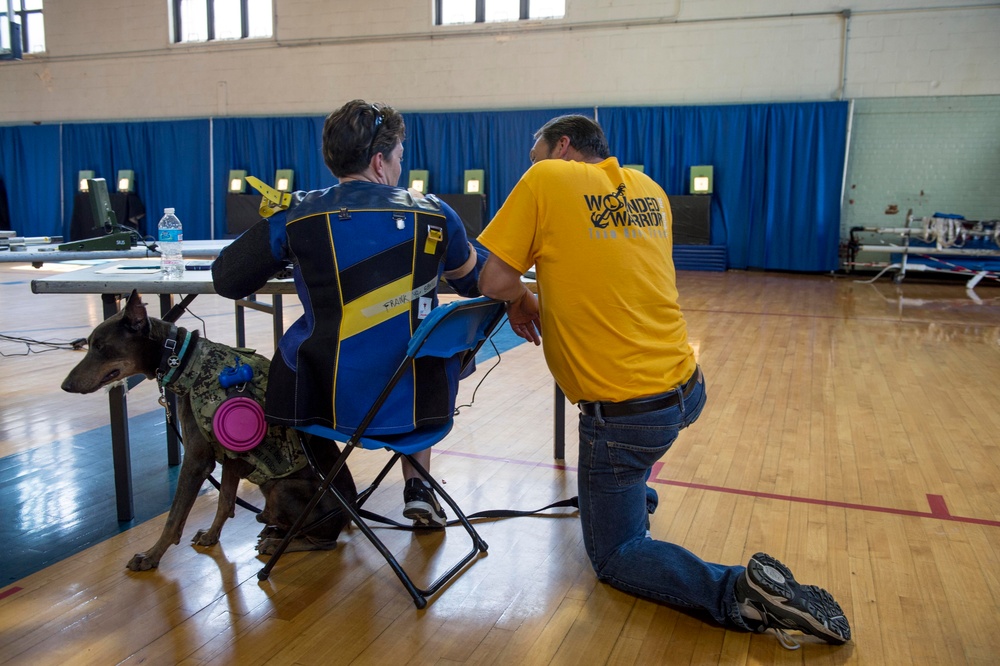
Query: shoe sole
[(424, 514), (775, 585)]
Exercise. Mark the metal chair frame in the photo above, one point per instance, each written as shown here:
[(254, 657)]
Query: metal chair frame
[(460, 327)]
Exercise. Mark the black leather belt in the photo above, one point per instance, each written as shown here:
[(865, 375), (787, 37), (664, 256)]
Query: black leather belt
[(650, 403)]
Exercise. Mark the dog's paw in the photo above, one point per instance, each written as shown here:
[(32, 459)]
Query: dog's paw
[(267, 546), (271, 532), (142, 562), (205, 538)]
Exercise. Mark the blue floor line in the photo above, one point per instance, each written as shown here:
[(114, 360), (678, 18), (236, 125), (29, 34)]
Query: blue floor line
[(59, 499)]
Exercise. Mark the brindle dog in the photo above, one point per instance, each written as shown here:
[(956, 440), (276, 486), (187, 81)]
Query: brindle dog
[(130, 343)]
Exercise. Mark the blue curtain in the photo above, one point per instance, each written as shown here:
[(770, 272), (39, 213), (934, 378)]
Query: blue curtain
[(170, 160), (446, 144), (777, 173), (261, 146), (29, 168), (498, 142), (802, 196), (778, 167)]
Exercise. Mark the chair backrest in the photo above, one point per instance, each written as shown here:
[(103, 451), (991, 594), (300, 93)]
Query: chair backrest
[(450, 329), (455, 327)]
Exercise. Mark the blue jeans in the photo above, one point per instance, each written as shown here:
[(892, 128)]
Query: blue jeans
[(616, 457)]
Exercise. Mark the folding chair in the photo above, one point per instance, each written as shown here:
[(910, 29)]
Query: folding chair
[(459, 327)]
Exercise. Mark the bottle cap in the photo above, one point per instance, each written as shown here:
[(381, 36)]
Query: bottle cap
[(168, 211)]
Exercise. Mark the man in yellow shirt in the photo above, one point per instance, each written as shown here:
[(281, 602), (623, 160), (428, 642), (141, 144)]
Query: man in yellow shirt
[(600, 239)]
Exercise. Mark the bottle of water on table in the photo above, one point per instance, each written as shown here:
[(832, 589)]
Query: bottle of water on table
[(170, 236)]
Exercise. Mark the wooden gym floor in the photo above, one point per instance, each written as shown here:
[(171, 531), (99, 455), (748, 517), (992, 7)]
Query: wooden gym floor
[(851, 431)]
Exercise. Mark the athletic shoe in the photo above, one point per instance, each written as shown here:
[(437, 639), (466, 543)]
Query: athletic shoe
[(422, 506), (770, 598)]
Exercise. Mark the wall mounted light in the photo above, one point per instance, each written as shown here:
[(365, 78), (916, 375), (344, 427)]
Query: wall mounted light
[(126, 180), (81, 180), (420, 180), (474, 181), (701, 179), (283, 180), (237, 181)]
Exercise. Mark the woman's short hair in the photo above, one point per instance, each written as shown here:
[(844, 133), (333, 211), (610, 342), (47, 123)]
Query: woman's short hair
[(358, 130)]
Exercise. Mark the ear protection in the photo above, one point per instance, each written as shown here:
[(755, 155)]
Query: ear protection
[(239, 422)]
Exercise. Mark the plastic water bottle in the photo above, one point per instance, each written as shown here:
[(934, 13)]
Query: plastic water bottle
[(170, 235)]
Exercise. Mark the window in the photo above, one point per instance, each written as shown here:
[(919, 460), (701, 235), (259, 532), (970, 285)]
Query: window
[(29, 14), (217, 20), (451, 12)]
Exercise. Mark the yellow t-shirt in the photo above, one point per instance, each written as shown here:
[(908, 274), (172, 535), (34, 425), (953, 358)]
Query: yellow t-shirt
[(600, 238)]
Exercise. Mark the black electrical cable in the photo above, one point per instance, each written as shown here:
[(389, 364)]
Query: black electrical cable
[(49, 345), (472, 400)]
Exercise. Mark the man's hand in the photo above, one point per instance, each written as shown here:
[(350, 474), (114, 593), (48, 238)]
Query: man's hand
[(501, 281), (524, 317)]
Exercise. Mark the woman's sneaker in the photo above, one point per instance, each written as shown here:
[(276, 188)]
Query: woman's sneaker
[(422, 506), (769, 590)]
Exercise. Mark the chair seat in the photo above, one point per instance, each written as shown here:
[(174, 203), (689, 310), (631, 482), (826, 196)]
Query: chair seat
[(407, 443)]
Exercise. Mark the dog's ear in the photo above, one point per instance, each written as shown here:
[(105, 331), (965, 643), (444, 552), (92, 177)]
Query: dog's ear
[(135, 313)]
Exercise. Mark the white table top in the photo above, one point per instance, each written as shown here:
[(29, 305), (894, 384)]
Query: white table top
[(122, 276), (39, 254)]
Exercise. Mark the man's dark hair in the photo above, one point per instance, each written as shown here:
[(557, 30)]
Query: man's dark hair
[(584, 134), (358, 130)]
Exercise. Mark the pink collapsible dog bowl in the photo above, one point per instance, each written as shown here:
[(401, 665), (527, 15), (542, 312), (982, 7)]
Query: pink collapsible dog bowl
[(239, 424)]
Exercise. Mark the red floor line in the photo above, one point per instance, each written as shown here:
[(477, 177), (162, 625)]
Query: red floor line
[(807, 315), (935, 512), (6, 593), (938, 506), (512, 461), (939, 509)]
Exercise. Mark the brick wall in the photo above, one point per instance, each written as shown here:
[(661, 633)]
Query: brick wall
[(929, 154), (112, 59)]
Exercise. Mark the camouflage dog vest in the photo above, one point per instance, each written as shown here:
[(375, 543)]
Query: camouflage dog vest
[(200, 364)]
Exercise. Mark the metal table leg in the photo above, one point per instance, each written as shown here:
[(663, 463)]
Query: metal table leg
[(275, 309), (560, 425), (120, 455)]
